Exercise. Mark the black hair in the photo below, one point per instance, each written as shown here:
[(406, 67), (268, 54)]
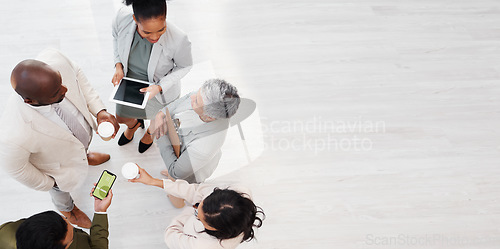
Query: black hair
[(147, 9), (45, 230), (231, 213)]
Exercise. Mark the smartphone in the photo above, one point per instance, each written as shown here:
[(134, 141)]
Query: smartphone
[(104, 184)]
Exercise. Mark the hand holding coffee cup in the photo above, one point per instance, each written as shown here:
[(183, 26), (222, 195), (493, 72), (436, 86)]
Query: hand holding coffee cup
[(130, 171), (145, 178), (106, 130), (104, 116)]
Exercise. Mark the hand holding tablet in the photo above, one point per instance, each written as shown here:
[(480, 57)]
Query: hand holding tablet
[(152, 89), (129, 93)]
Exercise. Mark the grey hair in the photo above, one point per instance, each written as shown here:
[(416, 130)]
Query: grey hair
[(220, 99)]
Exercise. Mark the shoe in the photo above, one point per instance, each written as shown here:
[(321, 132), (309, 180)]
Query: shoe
[(77, 217), (124, 140), (96, 158), (143, 146)]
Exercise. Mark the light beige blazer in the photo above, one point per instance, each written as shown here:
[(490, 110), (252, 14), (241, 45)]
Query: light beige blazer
[(36, 151), (170, 58)]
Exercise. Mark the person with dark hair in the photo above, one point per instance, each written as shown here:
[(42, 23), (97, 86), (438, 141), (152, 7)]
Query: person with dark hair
[(149, 48), (220, 218), (49, 230)]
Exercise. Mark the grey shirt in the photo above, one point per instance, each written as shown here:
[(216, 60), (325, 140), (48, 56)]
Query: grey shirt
[(138, 59)]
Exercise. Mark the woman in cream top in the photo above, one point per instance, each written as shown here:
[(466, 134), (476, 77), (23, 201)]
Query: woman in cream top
[(220, 218)]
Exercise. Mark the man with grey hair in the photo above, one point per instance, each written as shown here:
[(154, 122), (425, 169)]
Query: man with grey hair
[(195, 127)]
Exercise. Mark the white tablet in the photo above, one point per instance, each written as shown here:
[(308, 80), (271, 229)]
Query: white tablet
[(127, 93)]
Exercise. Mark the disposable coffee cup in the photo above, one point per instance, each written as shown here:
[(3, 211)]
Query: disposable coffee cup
[(130, 170), (106, 130)]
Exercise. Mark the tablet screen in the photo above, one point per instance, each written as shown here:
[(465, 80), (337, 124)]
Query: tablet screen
[(128, 91)]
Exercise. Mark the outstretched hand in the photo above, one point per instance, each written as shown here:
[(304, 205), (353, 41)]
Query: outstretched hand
[(153, 90), (158, 126), (146, 178)]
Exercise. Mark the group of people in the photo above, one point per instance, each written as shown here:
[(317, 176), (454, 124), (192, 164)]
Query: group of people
[(50, 122)]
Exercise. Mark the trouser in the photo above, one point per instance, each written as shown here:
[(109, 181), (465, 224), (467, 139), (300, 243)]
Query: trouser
[(62, 200)]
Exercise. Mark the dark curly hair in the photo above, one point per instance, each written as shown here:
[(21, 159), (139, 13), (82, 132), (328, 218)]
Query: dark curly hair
[(42, 231), (147, 9), (231, 213)]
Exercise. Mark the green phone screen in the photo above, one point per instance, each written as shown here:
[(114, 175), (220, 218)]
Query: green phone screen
[(104, 184)]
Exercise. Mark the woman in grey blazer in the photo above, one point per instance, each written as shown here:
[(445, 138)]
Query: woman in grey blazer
[(149, 48)]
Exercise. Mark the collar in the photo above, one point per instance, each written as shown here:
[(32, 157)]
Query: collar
[(43, 109), (211, 127)]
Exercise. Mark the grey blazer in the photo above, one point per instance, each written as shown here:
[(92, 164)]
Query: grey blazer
[(200, 148), (170, 58)]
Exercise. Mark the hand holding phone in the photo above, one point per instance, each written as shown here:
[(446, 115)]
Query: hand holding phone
[(102, 205), (103, 186)]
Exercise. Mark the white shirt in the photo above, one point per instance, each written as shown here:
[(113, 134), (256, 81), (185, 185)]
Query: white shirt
[(49, 112)]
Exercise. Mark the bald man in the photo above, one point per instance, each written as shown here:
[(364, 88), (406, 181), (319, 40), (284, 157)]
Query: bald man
[(48, 126)]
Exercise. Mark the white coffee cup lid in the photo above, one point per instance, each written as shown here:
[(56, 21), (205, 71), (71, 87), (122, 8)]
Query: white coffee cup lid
[(106, 129), (130, 170)]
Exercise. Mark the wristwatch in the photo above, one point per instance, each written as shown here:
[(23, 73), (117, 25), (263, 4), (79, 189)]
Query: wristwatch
[(177, 124)]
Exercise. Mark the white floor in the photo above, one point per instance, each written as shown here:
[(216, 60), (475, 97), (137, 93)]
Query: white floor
[(377, 122)]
